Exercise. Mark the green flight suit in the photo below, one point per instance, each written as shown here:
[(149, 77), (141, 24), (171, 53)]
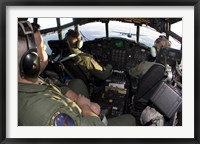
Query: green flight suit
[(90, 66), (38, 105)]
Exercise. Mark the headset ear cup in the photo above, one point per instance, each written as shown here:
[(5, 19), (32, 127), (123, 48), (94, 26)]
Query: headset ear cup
[(79, 44), (30, 64), (153, 52)]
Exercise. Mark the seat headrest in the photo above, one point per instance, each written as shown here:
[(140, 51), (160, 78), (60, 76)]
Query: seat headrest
[(57, 46)]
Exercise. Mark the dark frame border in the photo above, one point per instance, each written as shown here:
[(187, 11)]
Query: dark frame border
[(4, 3)]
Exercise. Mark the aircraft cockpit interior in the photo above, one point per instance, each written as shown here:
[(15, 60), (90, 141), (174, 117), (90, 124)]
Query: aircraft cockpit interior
[(159, 89)]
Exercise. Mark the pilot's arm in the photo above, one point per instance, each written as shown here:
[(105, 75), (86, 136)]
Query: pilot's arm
[(96, 65), (103, 75), (83, 102), (71, 115), (80, 100), (64, 118)]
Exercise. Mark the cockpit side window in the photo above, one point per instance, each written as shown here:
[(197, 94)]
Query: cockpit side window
[(176, 28), (93, 30)]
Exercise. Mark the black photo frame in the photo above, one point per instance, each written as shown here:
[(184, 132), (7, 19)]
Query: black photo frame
[(5, 3)]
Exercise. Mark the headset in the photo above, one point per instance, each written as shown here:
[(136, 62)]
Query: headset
[(153, 51), (30, 61), (75, 34), (79, 43)]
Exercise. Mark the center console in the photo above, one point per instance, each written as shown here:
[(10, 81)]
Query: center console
[(115, 97)]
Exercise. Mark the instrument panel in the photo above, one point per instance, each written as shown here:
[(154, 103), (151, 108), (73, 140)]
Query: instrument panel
[(121, 53)]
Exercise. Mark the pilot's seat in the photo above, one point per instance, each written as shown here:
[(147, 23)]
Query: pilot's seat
[(144, 88), (61, 61)]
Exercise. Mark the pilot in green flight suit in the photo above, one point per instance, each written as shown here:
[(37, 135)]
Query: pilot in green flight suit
[(40, 102), (43, 104), (144, 66), (86, 61)]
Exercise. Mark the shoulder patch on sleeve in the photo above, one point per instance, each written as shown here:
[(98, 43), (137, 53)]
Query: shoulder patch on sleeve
[(63, 119)]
